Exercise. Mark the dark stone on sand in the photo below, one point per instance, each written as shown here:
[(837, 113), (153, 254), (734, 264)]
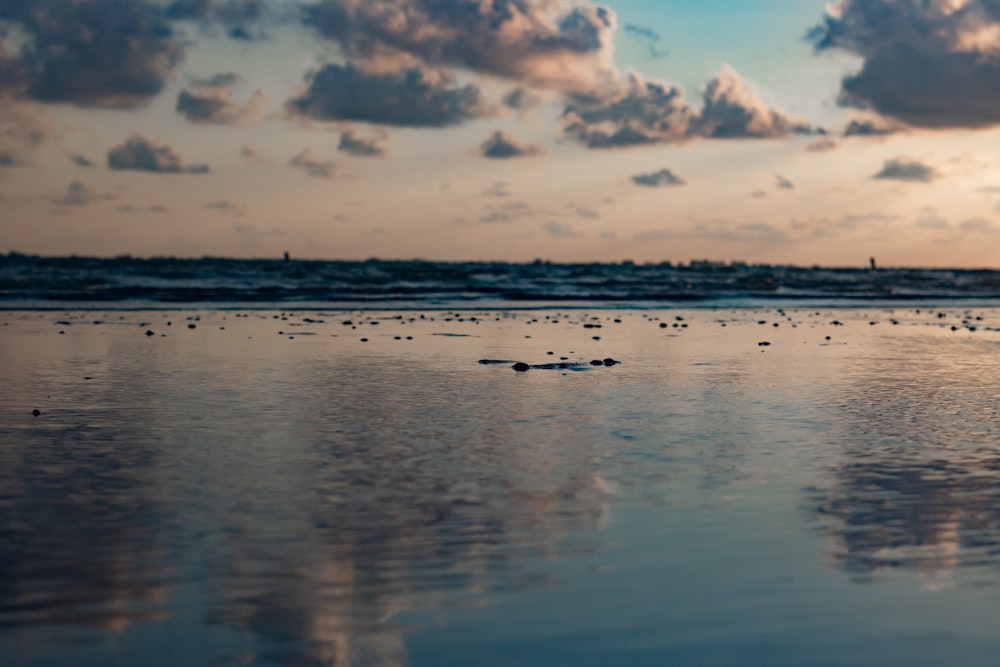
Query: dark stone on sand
[(364, 340), (521, 367), (764, 343), (679, 318), (191, 326), (663, 325), (610, 362), (954, 328), (828, 338), (409, 338), (150, 333), (36, 412), (596, 362)]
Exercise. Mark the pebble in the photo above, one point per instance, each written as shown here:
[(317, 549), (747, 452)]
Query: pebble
[(521, 367), (36, 412)]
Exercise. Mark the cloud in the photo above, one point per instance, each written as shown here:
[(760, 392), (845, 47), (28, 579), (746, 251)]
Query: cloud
[(927, 63), (646, 113), (508, 212), (78, 194), (902, 169), (981, 225), (733, 110), (872, 127), (931, 220), (254, 156), (352, 144), (751, 232), (226, 10), (560, 230), (209, 101), (783, 183), (11, 159), (583, 212), (312, 165), (521, 99), (540, 43), (649, 39), (226, 207), (140, 153), (93, 53), (24, 127), (413, 97), (498, 189), (822, 145), (155, 208), (643, 113), (657, 179), (502, 146)]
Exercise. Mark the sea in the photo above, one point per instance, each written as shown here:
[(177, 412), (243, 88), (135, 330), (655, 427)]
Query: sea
[(33, 282), (259, 463)]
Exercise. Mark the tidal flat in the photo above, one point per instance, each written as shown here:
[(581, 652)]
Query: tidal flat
[(740, 487)]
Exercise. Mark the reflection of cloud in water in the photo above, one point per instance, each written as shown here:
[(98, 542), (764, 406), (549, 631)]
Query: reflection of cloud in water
[(79, 542), (421, 493), (920, 488)]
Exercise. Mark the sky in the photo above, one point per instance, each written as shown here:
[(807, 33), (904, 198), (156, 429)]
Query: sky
[(776, 131)]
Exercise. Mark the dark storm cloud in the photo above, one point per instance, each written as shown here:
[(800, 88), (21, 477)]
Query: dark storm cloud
[(658, 179), (237, 16), (647, 113), (503, 146), (90, 53), (927, 63), (352, 144), (231, 11), (902, 169), (210, 101), (539, 42), (140, 153), (414, 97)]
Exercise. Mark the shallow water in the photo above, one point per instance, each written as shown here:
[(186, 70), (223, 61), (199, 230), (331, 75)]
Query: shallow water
[(232, 495)]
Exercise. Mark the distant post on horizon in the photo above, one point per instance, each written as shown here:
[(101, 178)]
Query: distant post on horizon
[(288, 258), (871, 260)]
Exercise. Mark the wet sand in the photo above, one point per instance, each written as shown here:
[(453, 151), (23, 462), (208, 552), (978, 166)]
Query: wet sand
[(717, 487)]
